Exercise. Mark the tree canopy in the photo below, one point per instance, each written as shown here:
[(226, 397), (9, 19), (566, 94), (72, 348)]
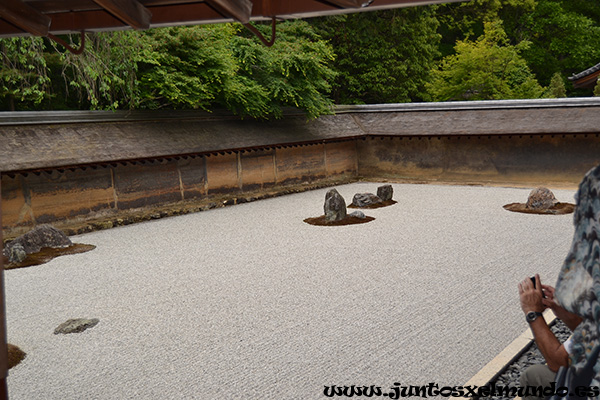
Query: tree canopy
[(488, 68), (382, 57)]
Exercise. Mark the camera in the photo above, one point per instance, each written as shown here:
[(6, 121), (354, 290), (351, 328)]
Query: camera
[(533, 280)]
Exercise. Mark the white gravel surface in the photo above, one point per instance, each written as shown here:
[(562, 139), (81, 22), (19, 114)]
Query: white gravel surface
[(250, 302)]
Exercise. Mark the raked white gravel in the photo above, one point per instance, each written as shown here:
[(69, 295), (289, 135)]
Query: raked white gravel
[(250, 302)]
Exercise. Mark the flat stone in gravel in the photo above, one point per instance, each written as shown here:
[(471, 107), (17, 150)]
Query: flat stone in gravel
[(77, 325)]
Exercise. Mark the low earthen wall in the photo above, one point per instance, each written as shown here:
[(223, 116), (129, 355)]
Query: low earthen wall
[(70, 197), (516, 160)]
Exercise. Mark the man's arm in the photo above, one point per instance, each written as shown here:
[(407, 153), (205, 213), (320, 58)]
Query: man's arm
[(531, 300), (553, 351)]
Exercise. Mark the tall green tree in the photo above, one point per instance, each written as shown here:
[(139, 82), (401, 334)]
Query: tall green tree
[(489, 68), (382, 56), (23, 73), (556, 89), (104, 75)]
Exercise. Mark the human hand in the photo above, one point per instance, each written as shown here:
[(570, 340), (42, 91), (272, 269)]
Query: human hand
[(548, 298), (531, 297), (569, 318)]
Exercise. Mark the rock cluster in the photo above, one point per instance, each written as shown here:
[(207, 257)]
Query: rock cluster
[(336, 212), (541, 199), (335, 208), (40, 237)]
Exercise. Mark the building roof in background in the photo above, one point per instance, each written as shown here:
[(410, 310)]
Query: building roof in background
[(587, 78)]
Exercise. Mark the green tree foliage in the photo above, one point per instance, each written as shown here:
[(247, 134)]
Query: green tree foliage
[(563, 34), (104, 75), (185, 67), (23, 73), (467, 50), (205, 67), (488, 68), (562, 39), (217, 66), (295, 72), (465, 20), (556, 89), (383, 56)]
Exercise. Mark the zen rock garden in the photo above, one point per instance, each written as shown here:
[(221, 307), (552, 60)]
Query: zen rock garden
[(541, 200), (336, 211)]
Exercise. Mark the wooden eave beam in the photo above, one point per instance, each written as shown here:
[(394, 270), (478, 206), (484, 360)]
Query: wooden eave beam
[(25, 17), (588, 81), (132, 12), (240, 10), (73, 16), (102, 20)]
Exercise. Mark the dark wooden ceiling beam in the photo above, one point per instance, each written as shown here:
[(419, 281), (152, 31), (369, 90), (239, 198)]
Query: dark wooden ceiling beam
[(131, 12), (240, 10), (25, 17), (55, 6), (101, 20)]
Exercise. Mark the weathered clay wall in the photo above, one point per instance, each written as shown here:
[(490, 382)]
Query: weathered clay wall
[(531, 160), (83, 193)]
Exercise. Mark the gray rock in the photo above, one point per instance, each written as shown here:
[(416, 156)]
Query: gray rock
[(16, 253), (335, 206), (76, 325), (385, 192), (357, 214), (541, 199), (365, 199), (36, 239)]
